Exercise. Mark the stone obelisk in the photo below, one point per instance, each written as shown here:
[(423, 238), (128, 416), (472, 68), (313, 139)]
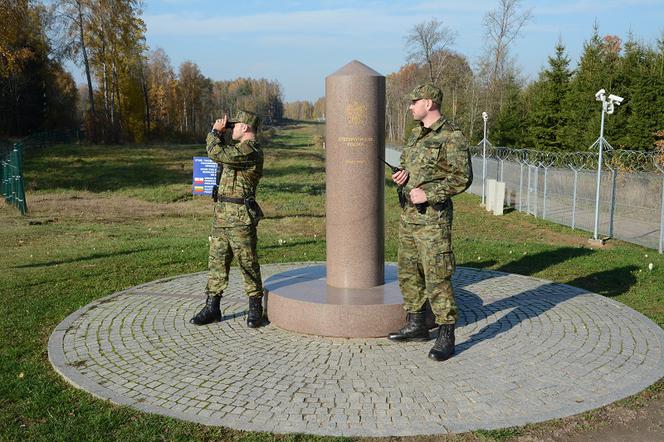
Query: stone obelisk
[(354, 295), (355, 176)]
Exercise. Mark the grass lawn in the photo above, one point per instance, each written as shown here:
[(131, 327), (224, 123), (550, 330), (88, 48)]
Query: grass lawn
[(104, 218)]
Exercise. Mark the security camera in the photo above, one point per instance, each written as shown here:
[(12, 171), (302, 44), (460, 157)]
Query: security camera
[(616, 99), (599, 96), (485, 116)]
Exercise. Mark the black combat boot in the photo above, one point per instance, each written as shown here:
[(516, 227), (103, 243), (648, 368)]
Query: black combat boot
[(443, 349), (255, 317), (210, 313), (414, 330), (429, 317)]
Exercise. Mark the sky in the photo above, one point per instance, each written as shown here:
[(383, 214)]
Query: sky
[(299, 43)]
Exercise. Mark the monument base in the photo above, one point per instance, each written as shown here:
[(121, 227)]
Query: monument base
[(300, 300)]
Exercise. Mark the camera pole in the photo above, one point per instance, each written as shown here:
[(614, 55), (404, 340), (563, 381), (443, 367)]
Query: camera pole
[(608, 106), (599, 174)]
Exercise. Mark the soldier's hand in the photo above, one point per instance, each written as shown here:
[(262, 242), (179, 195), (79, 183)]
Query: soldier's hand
[(400, 177), (220, 124), (417, 196)]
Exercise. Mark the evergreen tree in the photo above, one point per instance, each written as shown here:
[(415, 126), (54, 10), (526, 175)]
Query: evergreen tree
[(644, 107), (509, 128), (545, 119)]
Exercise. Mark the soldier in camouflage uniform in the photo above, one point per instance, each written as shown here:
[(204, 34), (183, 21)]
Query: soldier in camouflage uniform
[(235, 217), (435, 166)]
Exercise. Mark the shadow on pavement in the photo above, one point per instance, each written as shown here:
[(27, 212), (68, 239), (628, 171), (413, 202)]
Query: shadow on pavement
[(532, 303)]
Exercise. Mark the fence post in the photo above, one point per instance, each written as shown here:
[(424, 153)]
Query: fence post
[(5, 178), (546, 172), (576, 180), (11, 188), (521, 188), (21, 183), (613, 201), (528, 191), (15, 173), (13, 179)]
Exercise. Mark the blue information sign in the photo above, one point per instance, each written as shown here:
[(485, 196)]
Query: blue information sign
[(205, 176)]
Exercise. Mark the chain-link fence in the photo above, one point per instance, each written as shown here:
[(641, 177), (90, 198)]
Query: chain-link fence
[(561, 187)]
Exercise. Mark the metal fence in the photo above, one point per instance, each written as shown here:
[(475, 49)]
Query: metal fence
[(13, 189), (561, 187), (11, 157)]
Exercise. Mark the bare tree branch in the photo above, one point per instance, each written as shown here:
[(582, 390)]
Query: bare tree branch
[(503, 25), (427, 44)]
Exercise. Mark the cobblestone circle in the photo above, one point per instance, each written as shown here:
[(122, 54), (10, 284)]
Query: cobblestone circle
[(528, 350)]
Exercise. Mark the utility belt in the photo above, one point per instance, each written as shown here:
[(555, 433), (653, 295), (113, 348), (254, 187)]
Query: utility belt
[(228, 199), (255, 211), (422, 207)]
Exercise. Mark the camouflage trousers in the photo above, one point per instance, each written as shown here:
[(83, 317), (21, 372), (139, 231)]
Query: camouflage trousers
[(426, 264), (226, 242)]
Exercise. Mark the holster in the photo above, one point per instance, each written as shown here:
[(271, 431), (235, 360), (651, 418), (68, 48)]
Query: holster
[(217, 178), (255, 211), (402, 197)]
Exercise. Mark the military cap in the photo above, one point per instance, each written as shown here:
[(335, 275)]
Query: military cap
[(427, 90), (246, 117)]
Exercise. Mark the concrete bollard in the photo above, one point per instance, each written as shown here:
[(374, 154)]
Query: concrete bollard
[(499, 198), (490, 192)]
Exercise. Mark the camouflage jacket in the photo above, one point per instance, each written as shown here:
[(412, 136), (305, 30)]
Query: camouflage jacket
[(242, 170), (438, 161)]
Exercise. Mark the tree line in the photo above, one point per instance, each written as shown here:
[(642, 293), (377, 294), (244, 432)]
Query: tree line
[(134, 94), (131, 94), (305, 110)]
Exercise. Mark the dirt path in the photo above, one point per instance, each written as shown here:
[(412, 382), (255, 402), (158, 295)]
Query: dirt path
[(640, 418)]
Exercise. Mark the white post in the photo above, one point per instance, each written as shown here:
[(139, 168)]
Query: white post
[(485, 117)]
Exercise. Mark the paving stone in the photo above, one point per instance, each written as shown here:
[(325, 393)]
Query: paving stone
[(527, 350)]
